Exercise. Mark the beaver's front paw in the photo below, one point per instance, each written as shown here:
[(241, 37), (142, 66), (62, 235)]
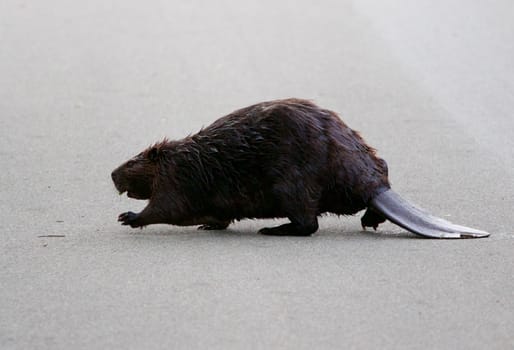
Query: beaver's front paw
[(129, 218)]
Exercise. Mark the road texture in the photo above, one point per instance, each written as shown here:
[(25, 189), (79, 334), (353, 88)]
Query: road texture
[(86, 85)]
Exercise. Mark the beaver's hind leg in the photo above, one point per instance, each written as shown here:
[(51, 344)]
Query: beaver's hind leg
[(300, 206), (293, 228), (371, 218), (303, 215)]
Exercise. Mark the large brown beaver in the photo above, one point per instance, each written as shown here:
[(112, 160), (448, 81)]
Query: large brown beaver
[(284, 158)]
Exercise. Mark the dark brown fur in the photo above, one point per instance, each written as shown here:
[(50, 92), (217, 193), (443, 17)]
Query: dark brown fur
[(285, 158)]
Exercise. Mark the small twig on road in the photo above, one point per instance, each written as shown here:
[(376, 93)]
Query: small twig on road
[(42, 236)]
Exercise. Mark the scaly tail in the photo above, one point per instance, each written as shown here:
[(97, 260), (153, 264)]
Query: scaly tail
[(390, 205)]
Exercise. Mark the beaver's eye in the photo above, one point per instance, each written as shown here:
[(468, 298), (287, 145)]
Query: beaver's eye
[(130, 163)]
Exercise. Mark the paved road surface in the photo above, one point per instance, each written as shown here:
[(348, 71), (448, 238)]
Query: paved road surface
[(85, 85)]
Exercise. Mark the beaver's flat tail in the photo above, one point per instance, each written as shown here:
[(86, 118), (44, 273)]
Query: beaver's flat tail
[(416, 220)]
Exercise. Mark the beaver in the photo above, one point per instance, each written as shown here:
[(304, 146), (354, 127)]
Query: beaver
[(277, 159)]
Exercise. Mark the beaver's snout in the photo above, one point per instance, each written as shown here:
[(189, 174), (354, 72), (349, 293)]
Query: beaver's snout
[(134, 177), (115, 176)]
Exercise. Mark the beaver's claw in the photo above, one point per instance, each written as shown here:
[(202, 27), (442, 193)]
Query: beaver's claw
[(129, 218)]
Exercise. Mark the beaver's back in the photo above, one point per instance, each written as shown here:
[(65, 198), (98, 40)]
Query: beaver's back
[(282, 150)]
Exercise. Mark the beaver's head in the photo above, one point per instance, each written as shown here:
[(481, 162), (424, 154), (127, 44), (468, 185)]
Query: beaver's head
[(136, 176)]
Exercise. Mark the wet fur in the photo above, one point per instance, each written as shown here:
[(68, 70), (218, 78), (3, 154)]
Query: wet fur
[(285, 158)]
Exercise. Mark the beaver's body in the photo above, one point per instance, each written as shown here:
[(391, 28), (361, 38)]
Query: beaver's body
[(285, 158)]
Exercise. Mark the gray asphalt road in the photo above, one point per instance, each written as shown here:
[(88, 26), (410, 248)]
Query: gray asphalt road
[(84, 86)]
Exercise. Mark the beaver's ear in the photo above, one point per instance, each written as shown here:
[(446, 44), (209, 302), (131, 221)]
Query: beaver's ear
[(154, 154)]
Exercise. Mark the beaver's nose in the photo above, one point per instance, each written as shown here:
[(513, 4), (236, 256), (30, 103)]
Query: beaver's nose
[(114, 176)]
